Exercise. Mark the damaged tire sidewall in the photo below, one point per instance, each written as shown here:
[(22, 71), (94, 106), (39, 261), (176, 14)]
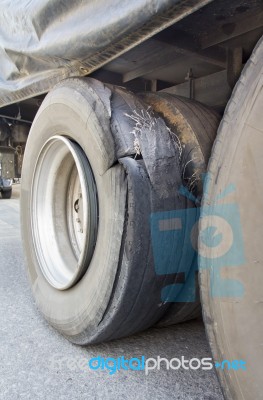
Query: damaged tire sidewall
[(70, 112)]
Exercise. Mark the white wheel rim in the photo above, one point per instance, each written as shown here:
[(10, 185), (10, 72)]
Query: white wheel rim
[(64, 212)]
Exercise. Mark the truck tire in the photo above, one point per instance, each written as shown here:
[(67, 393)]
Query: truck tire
[(86, 202), (195, 126), (231, 260), (7, 194)]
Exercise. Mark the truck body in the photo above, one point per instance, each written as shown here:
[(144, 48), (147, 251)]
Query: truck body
[(145, 98)]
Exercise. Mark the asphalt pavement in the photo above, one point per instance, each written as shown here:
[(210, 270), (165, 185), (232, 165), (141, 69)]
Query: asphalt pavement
[(37, 363)]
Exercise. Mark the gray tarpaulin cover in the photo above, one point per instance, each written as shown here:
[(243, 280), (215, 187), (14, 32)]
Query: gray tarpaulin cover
[(44, 41)]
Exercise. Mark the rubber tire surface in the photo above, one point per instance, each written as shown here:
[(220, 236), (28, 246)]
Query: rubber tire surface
[(7, 194), (231, 276), (195, 126), (120, 292)]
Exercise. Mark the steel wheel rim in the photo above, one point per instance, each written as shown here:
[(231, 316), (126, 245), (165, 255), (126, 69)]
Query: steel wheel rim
[(64, 212)]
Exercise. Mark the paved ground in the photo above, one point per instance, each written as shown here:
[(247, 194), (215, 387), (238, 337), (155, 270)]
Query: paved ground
[(37, 363)]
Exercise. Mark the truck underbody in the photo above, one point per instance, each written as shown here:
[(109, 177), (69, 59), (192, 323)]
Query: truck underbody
[(200, 57), (119, 152)]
